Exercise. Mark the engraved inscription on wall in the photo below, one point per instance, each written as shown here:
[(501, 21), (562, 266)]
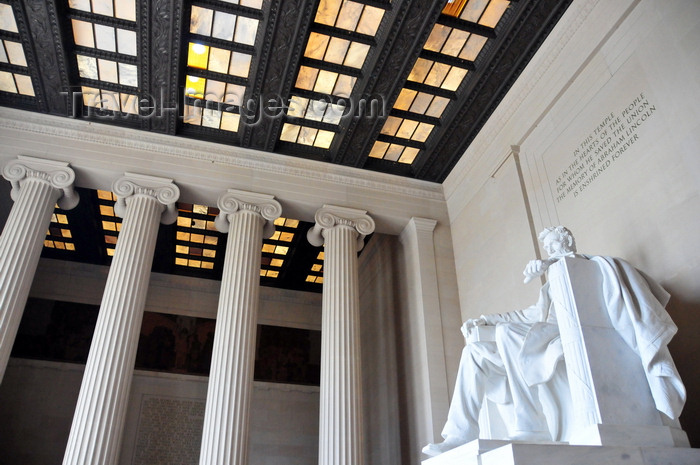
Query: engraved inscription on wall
[(169, 431), (605, 144)]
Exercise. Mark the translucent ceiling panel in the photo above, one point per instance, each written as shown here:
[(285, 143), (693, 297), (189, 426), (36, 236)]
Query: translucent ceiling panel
[(454, 7), (122, 9), (224, 26), (394, 152), (325, 82), (218, 60), (7, 18), (349, 15), (13, 53), (407, 129), (437, 74), (315, 110), (307, 136), (336, 50), (16, 83), (110, 100)]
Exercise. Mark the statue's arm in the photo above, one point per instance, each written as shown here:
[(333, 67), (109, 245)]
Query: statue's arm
[(533, 314), (536, 268)]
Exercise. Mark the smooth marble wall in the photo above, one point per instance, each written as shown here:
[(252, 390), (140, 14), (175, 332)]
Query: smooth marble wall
[(492, 246), (611, 98), (380, 378)]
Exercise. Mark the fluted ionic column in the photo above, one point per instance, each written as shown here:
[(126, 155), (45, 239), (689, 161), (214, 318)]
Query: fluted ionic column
[(36, 187), (245, 216), (342, 230), (95, 436)]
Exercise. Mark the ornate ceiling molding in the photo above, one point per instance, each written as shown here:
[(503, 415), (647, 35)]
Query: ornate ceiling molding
[(189, 149)]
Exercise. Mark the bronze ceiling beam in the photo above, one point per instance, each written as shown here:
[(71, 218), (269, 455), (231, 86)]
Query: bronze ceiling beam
[(40, 24), (162, 58), (281, 50)]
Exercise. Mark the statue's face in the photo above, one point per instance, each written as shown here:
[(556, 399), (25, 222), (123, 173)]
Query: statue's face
[(554, 245)]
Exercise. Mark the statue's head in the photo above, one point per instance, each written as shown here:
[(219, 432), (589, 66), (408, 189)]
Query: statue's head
[(557, 241)]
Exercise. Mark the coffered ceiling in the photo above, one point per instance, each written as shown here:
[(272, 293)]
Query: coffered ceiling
[(396, 86)]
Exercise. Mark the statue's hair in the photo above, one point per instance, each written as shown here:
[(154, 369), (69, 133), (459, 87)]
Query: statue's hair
[(564, 235)]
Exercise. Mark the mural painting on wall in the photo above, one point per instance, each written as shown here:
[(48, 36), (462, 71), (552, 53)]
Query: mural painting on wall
[(175, 343), (62, 332), (55, 330), (288, 355)]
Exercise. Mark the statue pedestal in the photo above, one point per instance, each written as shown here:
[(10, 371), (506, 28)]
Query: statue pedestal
[(613, 404), (491, 452)]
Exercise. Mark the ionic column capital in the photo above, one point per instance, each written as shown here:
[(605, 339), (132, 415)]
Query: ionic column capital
[(56, 173), (233, 201), (163, 190), (331, 216)]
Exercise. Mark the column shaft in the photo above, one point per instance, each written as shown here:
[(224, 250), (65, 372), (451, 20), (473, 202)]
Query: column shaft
[(342, 231), (229, 393), (95, 435), (340, 440), (20, 248), (226, 426)]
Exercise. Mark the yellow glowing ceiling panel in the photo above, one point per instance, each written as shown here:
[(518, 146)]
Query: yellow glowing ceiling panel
[(394, 152)]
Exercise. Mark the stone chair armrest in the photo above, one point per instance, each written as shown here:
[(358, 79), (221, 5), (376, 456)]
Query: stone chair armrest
[(481, 334)]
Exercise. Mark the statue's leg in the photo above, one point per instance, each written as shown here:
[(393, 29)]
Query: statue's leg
[(529, 422), (480, 360)]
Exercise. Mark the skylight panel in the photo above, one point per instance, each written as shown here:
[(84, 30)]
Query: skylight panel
[(110, 100), (249, 3), (407, 129), (484, 12), (394, 152), (455, 42), (436, 74), (122, 9), (316, 110), (224, 26), (315, 274), (7, 18), (215, 101), (421, 102), (443, 40), (276, 248), (349, 15), (101, 37), (12, 53), (287, 222), (111, 223), (59, 236), (325, 82), (196, 237), (307, 136), (218, 60), (110, 78), (336, 50), (99, 69), (16, 83)]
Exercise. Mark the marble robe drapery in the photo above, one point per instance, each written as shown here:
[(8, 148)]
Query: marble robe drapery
[(636, 306)]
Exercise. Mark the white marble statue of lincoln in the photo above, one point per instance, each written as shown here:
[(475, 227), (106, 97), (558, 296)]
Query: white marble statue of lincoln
[(527, 349)]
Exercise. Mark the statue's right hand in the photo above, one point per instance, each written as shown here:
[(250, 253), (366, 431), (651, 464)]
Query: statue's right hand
[(534, 269)]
